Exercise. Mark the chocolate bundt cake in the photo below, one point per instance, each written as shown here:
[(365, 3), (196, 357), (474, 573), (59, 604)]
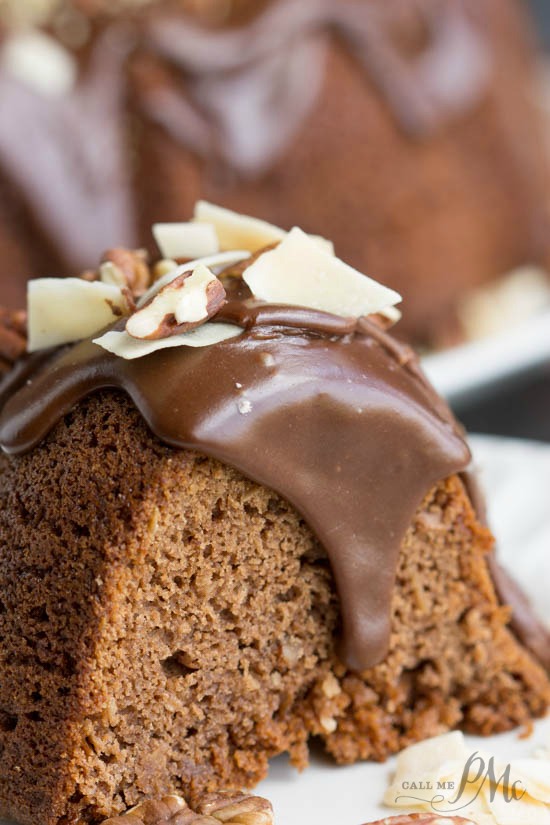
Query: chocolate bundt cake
[(406, 131), (237, 518)]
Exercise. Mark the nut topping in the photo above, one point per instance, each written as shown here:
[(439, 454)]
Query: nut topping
[(163, 267), (13, 337), (237, 269), (170, 303), (238, 809), (126, 268), (183, 304), (231, 808), (169, 809)]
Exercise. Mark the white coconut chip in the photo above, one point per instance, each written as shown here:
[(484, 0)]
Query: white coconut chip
[(123, 345), (63, 310), (300, 273)]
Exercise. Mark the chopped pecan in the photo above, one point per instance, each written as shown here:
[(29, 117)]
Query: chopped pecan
[(236, 270), (89, 275), (163, 267), (13, 337), (241, 809), (183, 304), (169, 809), (128, 269)]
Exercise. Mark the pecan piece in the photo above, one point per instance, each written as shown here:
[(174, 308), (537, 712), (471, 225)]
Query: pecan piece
[(126, 268), (240, 809), (225, 807), (170, 810), (183, 304), (13, 337), (163, 267), (236, 270), (89, 275)]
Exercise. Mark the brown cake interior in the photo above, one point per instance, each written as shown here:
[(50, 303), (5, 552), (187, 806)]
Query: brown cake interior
[(167, 625)]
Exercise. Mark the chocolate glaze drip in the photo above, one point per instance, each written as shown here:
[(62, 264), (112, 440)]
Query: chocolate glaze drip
[(248, 313), (243, 96), (332, 414)]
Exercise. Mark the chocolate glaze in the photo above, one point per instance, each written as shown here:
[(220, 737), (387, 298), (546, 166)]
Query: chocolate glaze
[(332, 414)]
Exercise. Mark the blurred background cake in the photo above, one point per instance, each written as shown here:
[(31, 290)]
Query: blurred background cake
[(407, 131)]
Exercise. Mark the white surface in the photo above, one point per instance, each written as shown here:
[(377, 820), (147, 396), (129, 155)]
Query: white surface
[(473, 369), (516, 477), (329, 795)]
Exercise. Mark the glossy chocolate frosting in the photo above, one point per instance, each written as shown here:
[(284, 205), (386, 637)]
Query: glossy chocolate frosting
[(331, 413)]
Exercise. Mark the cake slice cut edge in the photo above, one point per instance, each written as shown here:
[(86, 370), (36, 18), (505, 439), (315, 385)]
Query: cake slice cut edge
[(169, 626)]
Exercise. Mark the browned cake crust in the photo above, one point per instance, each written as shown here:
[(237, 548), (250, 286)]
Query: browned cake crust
[(169, 625)]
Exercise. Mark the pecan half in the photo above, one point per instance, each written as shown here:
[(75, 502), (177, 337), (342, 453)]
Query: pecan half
[(241, 809), (169, 809), (230, 808), (183, 304)]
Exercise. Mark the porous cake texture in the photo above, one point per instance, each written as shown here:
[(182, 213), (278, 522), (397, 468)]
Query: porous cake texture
[(168, 626)]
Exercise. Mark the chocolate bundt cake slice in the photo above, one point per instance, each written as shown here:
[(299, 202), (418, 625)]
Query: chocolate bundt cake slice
[(417, 117), (236, 519)]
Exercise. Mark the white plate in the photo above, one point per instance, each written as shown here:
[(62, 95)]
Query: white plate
[(469, 371), (516, 477)]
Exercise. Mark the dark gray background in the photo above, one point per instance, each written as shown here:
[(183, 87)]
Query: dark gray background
[(521, 410), (541, 10)]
